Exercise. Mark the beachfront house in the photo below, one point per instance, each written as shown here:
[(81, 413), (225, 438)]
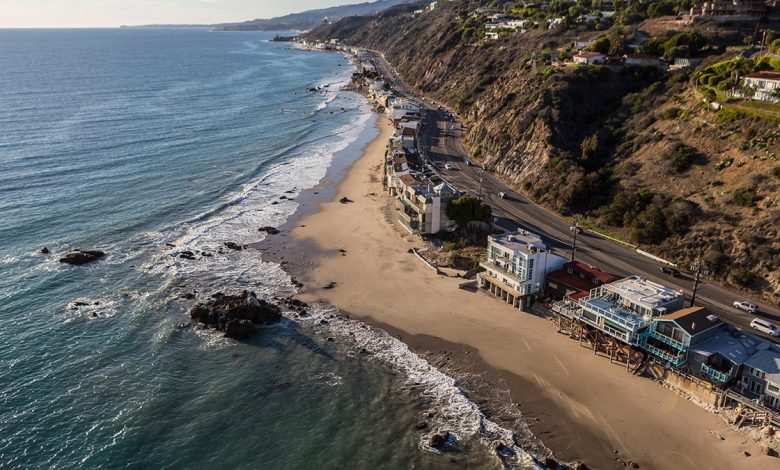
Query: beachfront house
[(589, 58), (765, 86), (720, 357), (622, 309), (669, 337), (575, 279), (515, 267), (643, 60), (422, 208), (761, 377)]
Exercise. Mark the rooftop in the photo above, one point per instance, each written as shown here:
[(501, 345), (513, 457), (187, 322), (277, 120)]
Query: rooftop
[(589, 55), (764, 75), (521, 241), (768, 362), (592, 270), (570, 280), (693, 320), (643, 292), (731, 343)]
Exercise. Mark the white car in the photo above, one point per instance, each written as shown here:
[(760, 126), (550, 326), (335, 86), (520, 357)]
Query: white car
[(765, 327), (746, 306), (447, 166), (502, 195)]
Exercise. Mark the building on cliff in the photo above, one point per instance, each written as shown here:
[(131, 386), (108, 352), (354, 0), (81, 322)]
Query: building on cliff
[(765, 86), (728, 10)]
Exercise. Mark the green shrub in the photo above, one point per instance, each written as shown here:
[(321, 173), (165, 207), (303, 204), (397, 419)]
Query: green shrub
[(743, 276), (449, 246), (682, 157), (746, 197), (671, 113)]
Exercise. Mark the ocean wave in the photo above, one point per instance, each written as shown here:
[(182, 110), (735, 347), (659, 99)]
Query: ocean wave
[(452, 411)]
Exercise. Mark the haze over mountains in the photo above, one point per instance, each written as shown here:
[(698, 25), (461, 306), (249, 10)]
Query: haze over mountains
[(305, 20)]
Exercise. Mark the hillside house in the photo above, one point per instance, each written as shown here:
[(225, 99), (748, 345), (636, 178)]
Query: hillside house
[(589, 58), (669, 337), (729, 10), (766, 85), (575, 279), (761, 377), (643, 60), (623, 308), (515, 267)]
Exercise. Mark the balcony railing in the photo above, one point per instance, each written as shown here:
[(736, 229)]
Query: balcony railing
[(487, 263), (407, 202), (665, 339), (675, 359), (567, 309), (633, 324), (715, 374)]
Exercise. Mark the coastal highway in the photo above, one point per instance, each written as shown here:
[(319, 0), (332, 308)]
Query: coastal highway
[(441, 143)]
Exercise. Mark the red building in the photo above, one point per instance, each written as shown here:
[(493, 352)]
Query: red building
[(575, 280)]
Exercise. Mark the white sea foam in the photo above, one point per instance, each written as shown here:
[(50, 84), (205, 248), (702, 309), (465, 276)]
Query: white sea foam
[(454, 412)]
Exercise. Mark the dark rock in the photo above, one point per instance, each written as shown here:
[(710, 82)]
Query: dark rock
[(95, 303), (746, 453), (439, 440), (330, 340), (503, 451), (274, 203), (188, 296), (236, 315), (766, 450), (234, 246), (217, 295), (187, 255), (80, 303), (345, 200), (44, 251), (551, 463), (79, 257), (289, 192), (578, 465), (269, 230), (422, 425), (206, 254), (330, 285), (170, 245)]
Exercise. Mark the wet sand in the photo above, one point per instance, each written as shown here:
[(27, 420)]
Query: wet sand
[(578, 404)]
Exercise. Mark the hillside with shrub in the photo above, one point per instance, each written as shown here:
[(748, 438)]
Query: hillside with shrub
[(671, 161)]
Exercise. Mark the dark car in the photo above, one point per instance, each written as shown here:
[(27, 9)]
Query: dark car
[(671, 271)]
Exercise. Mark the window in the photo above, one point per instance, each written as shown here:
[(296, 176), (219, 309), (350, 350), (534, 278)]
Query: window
[(772, 388)]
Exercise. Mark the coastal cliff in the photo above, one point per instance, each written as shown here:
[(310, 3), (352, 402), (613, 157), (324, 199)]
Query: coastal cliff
[(635, 151)]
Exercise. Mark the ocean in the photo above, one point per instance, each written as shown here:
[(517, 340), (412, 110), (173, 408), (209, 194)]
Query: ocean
[(148, 142)]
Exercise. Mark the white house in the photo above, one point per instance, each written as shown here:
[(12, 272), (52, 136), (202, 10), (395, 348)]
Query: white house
[(764, 84), (516, 266), (491, 35), (589, 58)]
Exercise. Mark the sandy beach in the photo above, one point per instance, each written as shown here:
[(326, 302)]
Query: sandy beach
[(578, 404)]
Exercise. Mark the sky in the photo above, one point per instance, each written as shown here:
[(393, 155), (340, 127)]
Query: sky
[(110, 13)]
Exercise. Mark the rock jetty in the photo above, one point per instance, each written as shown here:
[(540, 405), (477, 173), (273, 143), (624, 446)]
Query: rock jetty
[(236, 315)]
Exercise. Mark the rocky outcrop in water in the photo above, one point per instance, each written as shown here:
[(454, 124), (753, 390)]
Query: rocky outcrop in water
[(236, 315), (79, 257)]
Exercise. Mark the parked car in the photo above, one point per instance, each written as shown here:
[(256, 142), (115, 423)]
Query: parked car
[(468, 163), (447, 166), (502, 195), (746, 306), (765, 327), (674, 272), (577, 229)]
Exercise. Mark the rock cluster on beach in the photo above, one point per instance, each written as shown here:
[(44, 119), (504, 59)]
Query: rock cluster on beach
[(236, 315), (79, 257)]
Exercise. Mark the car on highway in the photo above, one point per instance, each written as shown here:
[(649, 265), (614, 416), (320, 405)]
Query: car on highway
[(674, 272), (765, 327), (468, 163), (447, 166), (577, 229), (502, 195), (746, 306)]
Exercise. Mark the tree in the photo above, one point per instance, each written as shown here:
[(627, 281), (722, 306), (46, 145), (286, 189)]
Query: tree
[(467, 208)]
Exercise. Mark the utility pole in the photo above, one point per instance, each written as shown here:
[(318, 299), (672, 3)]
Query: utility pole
[(574, 243), (479, 196), (700, 268)]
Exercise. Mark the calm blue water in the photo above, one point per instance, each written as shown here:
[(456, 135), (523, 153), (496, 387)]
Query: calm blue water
[(144, 143)]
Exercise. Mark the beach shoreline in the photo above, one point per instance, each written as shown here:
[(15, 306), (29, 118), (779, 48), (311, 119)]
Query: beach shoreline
[(355, 257)]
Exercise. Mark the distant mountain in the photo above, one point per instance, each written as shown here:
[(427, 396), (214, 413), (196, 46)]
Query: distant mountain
[(311, 19)]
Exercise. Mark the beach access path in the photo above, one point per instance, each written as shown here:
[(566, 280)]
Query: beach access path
[(578, 404)]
